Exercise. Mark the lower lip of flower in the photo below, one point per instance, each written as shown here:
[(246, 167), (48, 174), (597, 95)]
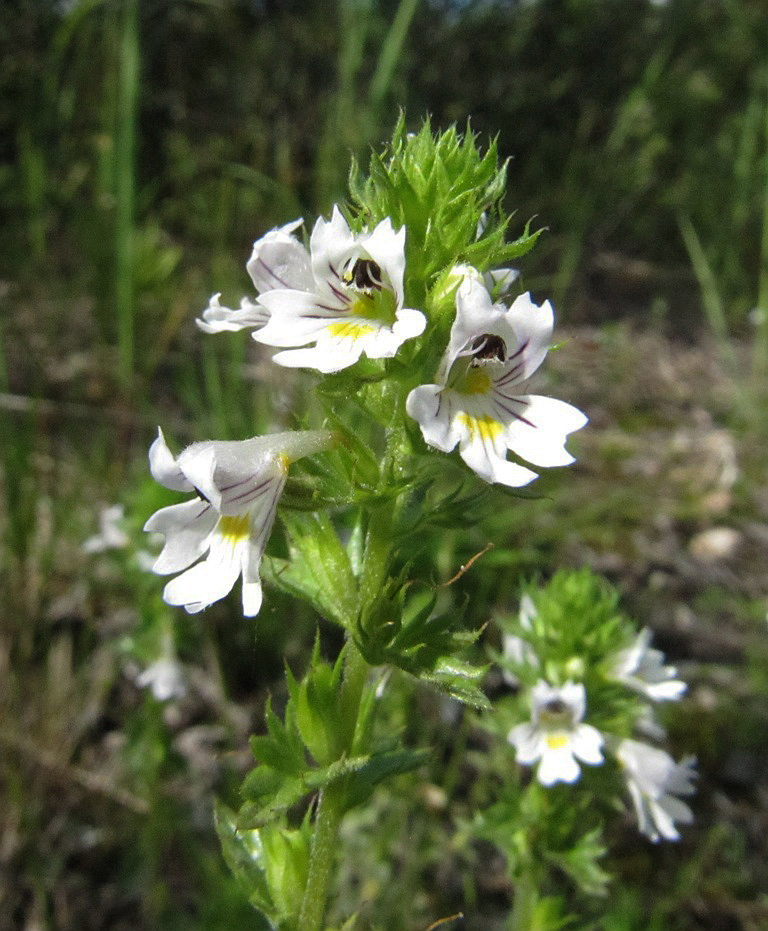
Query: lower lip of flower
[(556, 741), (234, 529), (350, 330), (486, 428)]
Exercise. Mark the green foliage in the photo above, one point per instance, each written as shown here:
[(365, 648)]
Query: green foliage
[(442, 189), (319, 569), (270, 863), (142, 143), (407, 632), (304, 753)]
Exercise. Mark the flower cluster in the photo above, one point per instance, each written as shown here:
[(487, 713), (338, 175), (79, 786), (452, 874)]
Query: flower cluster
[(324, 307), (558, 737)]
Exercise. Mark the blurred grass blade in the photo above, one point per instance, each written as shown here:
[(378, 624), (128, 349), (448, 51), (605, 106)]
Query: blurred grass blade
[(390, 53), (712, 301), (760, 359), (17, 438), (125, 185)]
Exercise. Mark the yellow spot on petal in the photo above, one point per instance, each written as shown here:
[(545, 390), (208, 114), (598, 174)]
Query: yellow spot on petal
[(234, 529), (476, 381), (556, 741), (484, 428), (350, 330)]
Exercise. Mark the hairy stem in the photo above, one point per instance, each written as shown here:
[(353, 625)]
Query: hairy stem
[(331, 804)]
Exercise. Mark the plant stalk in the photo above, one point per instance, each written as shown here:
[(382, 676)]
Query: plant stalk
[(331, 803)]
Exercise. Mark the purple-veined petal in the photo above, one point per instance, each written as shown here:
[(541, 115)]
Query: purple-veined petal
[(539, 431), (279, 261)]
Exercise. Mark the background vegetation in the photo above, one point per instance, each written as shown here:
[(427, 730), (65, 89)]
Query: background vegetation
[(144, 144)]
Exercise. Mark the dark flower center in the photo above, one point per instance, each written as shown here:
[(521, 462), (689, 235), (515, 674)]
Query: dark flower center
[(365, 275), (488, 348)]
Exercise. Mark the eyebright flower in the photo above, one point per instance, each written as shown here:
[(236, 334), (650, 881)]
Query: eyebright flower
[(477, 400), (345, 295), (164, 678), (641, 668), (111, 535), (556, 736), (654, 780), (238, 485)]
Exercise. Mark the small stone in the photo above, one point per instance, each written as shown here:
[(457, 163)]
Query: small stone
[(715, 544)]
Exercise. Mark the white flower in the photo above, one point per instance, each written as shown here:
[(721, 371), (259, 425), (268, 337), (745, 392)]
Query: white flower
[(654, 780), (111, 536), (344, 296), (352, 305), (278, 260), (237, 485), (641, 668), (477, 400), (165, 678), (516, 650), (556, 735)]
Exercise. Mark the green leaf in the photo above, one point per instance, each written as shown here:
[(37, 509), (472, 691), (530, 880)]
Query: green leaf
[(243, 852), (381, 766), (286, 864), (316, 704), (579, 861), (318, 570), (281, 748)]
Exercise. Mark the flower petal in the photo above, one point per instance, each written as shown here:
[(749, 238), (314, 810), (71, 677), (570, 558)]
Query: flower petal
[(387, 248), (527, 742), (332, 245), (558, 766), (532, 326), (164, 467), (586, 744), (218, 319), (207, 581), (297, 317), (323, 358), (279, 260), (538, 434), (187, 527), (485, 454)]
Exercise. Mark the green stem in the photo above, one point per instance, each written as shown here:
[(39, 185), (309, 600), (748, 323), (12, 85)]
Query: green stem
[(524, 906), (331, 805), (760, 362), (332, 801), (321, 855)]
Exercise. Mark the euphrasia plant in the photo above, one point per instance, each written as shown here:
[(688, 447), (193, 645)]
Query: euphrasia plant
[(402, 308)]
